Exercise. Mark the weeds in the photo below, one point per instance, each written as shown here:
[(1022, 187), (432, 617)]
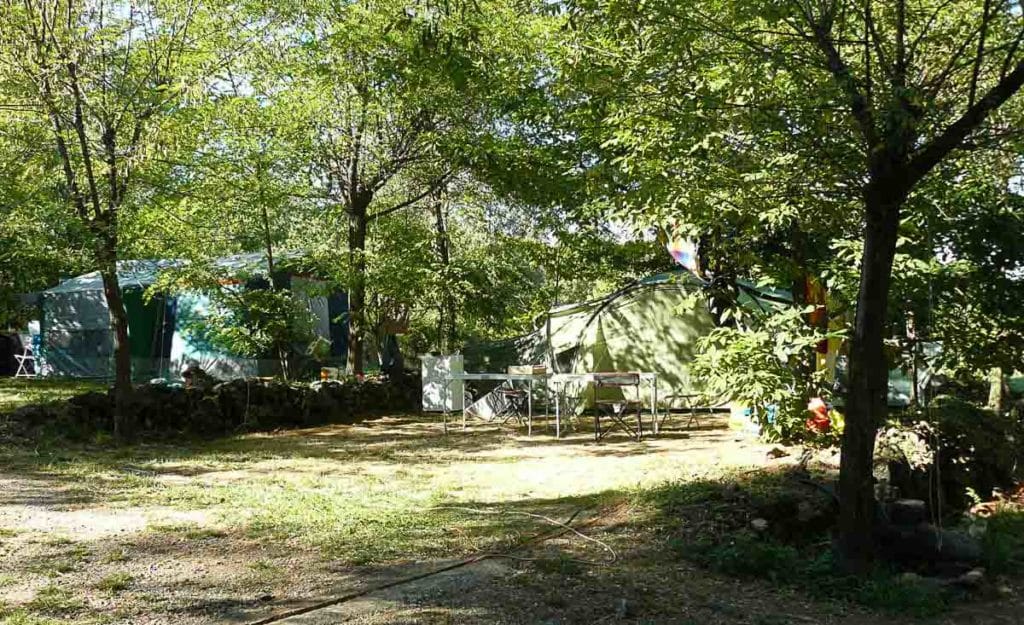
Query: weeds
[(115, 582)]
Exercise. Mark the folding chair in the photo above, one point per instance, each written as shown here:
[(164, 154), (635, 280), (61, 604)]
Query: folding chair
[(617, 409), (513, 405), (27, 355), (689, 405)]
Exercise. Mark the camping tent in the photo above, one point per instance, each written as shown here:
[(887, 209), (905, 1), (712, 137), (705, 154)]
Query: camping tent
[(165, 331), (649, 325)]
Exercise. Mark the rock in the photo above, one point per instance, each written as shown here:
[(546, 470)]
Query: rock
[(924, 543), (1004, 591), (910, 578), (805, 511), (908, 512), (777, 452), (972, 578), (759, 525)]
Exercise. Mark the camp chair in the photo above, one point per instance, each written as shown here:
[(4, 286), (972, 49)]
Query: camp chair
[(512, 406), (617, 409), (27, 355), (688, 403)]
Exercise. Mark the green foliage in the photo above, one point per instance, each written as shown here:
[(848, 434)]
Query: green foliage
[(1003, 541), (244, 316), (763, 367)]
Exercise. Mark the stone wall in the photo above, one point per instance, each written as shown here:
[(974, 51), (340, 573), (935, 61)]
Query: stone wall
[(217, 409)]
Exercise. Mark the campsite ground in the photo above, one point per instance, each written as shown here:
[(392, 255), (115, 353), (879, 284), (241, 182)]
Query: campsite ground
[(234, 530)]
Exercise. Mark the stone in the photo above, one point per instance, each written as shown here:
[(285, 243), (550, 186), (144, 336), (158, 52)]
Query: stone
[(908, 512), (972, 578), (759, 525)]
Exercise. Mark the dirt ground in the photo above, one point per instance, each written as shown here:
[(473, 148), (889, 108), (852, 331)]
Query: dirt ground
[(244, 529)]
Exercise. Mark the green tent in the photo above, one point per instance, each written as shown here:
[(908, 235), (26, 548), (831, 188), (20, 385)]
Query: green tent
[(649, 325)]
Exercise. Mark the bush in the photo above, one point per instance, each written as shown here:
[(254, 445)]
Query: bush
[(976, 450), (762, 367)]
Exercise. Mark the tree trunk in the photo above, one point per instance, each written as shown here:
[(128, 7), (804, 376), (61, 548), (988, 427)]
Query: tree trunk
[(866, 404), (446, 323), (357, 223), (122, 349)]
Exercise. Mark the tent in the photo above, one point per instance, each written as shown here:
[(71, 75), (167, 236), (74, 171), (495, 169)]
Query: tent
[(165, 331), (649, 325)]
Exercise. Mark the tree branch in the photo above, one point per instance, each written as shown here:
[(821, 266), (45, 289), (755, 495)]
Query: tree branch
[(410, 201), (932, 153), (844, 77)]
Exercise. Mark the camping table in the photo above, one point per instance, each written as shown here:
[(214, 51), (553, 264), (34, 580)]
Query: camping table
[(503, 377), (651, 379)]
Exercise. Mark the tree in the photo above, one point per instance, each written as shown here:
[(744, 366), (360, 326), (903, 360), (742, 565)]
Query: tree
[(392, 91), (816, 116), (102, 77)]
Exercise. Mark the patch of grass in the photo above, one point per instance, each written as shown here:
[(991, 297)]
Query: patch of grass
[(55, 600), (265, 571), (189, 531), (8, 532), (7, 580), (64, 561), (21, 616), (115, 582), (115, 556), (15, 393), (560, 565), (1003, 542), (708, 523)]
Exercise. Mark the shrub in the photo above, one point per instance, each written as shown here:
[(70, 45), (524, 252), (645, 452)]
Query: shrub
[(768, 367)]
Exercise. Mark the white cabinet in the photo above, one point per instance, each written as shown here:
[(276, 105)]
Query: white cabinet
[(440, 395)]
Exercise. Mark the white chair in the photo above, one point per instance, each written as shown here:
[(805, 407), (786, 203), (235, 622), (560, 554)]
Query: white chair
[(27, 355)]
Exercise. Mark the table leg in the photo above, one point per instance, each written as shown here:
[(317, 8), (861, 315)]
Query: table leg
[(529, 410), (558, 414), (654, 404), (463, 407), (444, 404)]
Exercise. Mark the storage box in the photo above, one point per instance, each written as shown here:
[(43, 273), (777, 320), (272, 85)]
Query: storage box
[(527, 369)]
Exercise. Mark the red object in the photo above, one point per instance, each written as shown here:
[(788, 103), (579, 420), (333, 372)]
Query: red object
[(818, 421)]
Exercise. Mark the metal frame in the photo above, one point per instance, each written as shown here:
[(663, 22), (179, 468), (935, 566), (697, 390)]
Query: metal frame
[(618, 408), (646, 377), (511, 378), (27, 355)]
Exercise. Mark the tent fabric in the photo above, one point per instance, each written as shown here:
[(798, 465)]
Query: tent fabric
[(165, 332), (652, 325)]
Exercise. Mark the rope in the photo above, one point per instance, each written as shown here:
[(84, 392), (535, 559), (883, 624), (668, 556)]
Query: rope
[(563, 528), (614, 556)]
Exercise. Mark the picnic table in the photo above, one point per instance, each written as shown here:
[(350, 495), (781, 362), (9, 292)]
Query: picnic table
[(555, 384)]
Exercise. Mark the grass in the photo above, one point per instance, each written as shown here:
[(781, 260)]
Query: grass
[(1003, 542), (115, 582), (55, 600), (189, 531), (708, 523), (327, 499), (18, 392)]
